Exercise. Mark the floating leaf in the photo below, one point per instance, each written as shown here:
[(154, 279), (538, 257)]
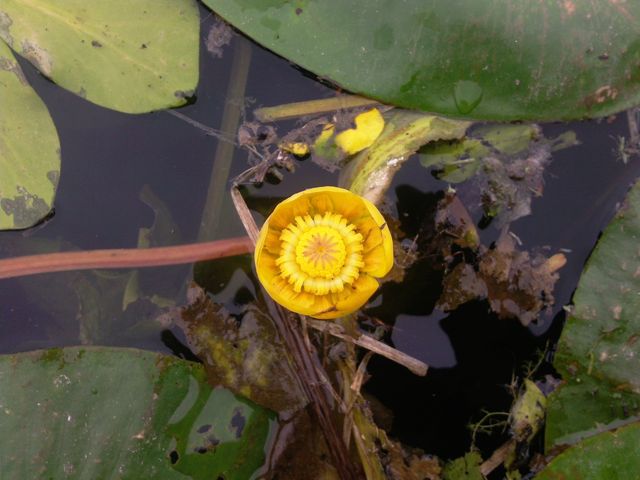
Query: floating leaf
[(29, 149), (598, 353), (609, 455), (486, 59), (132, 57), (123, 413)]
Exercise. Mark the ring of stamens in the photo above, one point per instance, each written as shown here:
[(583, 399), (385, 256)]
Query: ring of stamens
[(320, 254)]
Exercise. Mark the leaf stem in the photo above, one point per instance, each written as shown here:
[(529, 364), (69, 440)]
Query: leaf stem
[(300, 109), (123, 257)]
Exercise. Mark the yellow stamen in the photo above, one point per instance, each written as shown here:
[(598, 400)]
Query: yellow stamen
[(320, 254)]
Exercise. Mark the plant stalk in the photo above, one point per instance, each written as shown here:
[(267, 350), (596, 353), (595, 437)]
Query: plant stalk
[(123, 257), (311, 107), (223, 157)]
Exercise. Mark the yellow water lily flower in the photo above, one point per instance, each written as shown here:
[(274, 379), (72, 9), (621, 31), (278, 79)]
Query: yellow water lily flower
[(320, 251)]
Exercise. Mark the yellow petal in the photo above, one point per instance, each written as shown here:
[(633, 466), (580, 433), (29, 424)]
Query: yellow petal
[(322, 202), (299, 149), (351, 299), (387, 241), (272, 241), (260, 250), (369, 126), (376, 262)]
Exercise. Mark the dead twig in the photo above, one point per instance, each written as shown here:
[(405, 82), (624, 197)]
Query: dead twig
[(371, 344), (497, 458)]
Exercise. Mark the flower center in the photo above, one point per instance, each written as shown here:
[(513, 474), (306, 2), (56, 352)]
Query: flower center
[(320, 254)]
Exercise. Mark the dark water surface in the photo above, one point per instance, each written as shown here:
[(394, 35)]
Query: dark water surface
[(108, 158)]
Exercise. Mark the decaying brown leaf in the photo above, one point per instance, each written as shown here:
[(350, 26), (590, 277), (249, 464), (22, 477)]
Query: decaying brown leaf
[(219, 36), (410, 464), (516, 283), (453, 221), (404, 252), (242, 354), (300, 451)]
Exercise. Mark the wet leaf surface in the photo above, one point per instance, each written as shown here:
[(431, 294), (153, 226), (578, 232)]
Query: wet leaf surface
[(106, 412), (144, 60), (489, 59), (598, 353), (29, 149), (611, 455)]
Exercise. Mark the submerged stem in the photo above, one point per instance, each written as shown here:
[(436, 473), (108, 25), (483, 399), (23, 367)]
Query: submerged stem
[(223, 157)]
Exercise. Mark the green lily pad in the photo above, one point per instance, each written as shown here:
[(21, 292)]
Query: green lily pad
[(483, 59), (599, 354), (29, 149), (609, 455), (129, 56), (123, 413)]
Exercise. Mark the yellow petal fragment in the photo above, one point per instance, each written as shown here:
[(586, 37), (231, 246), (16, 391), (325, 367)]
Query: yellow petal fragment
[(350, 300), (299, 149), (387, 242), (369, 126)]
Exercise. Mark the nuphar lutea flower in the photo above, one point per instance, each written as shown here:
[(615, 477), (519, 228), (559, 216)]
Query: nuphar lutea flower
[(320, 251)]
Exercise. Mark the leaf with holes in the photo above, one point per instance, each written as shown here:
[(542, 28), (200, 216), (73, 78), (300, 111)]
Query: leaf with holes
[(29, 149), (599, 353), (123, 413), (129, 56), (610, 455)]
